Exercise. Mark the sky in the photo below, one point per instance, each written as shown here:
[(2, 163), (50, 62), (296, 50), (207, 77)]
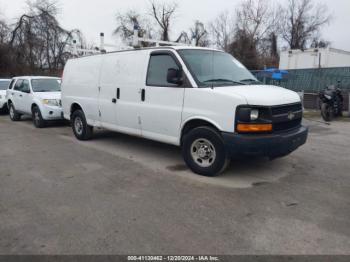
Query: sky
[(93, 17)]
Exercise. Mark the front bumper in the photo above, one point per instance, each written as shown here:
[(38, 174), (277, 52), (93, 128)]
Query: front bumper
[(270, 145), (3, 104), (52, 113)]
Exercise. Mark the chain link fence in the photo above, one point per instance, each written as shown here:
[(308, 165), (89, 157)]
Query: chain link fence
[(311, 82)]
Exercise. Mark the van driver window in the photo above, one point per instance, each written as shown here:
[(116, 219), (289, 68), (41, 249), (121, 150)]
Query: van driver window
[(158, 70)]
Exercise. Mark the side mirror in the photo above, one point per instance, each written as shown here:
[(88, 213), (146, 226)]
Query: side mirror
[(174, 76)]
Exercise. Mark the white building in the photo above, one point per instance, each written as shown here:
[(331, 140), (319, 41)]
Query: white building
[(314, 58)]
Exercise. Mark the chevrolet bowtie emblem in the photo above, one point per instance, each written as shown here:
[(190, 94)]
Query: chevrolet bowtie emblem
[(291, 115)]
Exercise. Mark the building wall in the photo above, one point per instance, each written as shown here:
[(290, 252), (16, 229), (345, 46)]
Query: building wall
[(314, 58)]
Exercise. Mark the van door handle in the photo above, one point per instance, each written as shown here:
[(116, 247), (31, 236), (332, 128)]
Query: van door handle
[(20, 95), (118, 93), (114, 100), (143, 95)]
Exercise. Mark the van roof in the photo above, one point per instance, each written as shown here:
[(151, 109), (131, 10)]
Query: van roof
[(154, 48)]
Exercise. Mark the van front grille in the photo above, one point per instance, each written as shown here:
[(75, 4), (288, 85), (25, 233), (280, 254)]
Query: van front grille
[(287, 117), (285, 109)]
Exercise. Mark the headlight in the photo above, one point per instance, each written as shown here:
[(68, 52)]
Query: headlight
[(254, 114), (253, 119), (51, 102)]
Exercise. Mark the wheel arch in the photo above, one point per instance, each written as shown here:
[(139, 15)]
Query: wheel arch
[(34, 105), (194, 123), (74, 107)]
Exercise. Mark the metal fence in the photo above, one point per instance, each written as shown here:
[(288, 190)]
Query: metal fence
[(310, 80)]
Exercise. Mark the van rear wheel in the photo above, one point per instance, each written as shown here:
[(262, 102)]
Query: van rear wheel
[(204, 152), (81, 129)]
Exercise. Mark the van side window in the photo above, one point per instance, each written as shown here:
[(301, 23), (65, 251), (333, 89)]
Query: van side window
[(158, 70), (18, 85)]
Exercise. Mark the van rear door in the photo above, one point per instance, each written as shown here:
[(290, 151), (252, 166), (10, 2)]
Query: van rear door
[(162, 102)]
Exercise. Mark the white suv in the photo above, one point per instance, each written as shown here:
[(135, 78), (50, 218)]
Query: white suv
[(4, 84), (36, 96)]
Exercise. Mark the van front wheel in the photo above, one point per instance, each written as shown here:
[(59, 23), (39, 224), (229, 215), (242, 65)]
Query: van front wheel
[(204, 152), (81, 129)]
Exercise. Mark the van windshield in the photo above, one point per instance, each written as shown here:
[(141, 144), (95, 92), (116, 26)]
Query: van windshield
[(4, 84), (46, 85), (215, 68)]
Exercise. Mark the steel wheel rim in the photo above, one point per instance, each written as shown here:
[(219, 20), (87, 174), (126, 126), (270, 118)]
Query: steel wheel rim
[(203, 152), (78, 125)]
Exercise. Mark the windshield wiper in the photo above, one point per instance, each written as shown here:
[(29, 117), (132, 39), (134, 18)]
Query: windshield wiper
[(224, 80), (250, 80)]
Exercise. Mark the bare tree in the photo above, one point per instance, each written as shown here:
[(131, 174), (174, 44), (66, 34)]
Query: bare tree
[(302, 21), (164, 13), (255, 33), (254, 18), (222, 29), (127, 22), (4, 29), (38, 41), (199, 34)]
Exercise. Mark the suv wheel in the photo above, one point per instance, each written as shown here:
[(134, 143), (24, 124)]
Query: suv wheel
[(13, 113), (81, 129), (204, 152), (38, 120)]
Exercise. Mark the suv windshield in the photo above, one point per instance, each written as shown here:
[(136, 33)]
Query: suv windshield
[(4, 84), (215, 68), (46, 85)]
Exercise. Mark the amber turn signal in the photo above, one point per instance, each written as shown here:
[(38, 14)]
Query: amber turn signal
[(254, 127)]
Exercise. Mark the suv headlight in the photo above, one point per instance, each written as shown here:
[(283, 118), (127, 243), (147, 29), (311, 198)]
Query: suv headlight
[(51, 102)]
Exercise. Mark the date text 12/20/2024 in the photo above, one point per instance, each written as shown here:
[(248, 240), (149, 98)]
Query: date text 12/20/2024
[(173, 258)]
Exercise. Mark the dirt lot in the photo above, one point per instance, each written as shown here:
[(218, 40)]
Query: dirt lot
[(122, 195)]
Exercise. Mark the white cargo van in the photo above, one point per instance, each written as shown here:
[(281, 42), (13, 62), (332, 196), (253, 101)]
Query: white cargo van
[(203, 100)]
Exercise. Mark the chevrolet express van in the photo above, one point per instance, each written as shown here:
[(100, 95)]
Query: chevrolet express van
[(203, 100)]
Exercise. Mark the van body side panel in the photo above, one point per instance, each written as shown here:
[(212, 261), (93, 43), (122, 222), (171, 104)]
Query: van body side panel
[(129, 71), (108, 89), (208, 105), (81, 85)]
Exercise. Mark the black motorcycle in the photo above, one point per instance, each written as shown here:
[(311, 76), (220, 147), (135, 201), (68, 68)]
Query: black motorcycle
[(331, 102)]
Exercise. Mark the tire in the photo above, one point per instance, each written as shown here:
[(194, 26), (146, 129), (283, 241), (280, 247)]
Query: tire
[(38, 120), (14, 116), (326, 112), (81, 129), (204, 152)]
